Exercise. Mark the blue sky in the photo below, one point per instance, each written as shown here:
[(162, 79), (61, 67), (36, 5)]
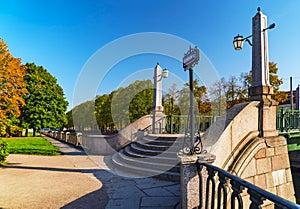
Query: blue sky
[(63, 35)]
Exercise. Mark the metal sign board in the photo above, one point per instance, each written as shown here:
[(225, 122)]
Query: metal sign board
[(191, 58)]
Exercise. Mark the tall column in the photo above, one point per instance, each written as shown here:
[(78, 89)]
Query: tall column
[(260, 54), (157, 99), (298, 98), (261, 90), (157, 108)]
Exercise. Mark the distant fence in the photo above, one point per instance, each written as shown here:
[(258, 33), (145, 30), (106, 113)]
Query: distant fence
[(288, 120), (69, 137), (179, 124)]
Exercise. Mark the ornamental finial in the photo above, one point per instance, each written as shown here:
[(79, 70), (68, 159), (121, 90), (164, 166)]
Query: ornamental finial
[(258, 9)]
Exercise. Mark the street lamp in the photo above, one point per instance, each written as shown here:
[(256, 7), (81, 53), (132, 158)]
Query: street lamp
[(238, 40), (165, 73), (260, 89)]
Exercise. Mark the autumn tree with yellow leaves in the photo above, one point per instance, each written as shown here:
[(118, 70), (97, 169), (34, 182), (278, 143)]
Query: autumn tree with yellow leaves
[(12, 90)]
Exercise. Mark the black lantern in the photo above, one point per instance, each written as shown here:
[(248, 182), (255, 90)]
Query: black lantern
[(238, 42)]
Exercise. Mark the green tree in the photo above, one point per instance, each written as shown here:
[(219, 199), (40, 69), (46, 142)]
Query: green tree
[(132, 102), (83, 116), (124, 105), (103, 112), (45, 102), (70, 123)]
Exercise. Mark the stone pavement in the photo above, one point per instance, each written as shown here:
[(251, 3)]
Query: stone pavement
[(124, 192), (79, 181)]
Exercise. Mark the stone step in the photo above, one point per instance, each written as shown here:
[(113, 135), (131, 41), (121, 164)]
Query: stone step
[(143, 163), (164, 137), (164, 159), (160, 147), (147, 152), (144, 172), (158, 141)]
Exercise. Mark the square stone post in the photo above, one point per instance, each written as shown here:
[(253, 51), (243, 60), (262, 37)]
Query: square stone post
[(190, 194), (297, 98), (157, 108), (261, 90)]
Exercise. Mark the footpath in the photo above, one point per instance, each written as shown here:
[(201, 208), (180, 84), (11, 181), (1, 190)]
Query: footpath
[(76, 180)]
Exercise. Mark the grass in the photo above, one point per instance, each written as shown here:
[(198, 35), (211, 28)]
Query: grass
[(31, 146)]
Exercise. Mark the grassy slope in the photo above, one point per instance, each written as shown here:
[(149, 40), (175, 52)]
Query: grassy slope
[(31, 146)]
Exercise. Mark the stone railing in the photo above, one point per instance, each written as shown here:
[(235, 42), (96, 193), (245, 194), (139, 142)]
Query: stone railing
[(72, 138)]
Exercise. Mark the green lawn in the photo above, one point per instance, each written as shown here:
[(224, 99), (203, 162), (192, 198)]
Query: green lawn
[(31, 146)]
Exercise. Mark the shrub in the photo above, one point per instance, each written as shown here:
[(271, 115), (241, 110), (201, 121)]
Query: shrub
[(3, 151)]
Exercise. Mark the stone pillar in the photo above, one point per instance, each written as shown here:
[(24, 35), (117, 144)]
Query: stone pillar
[(157, 108), (298, 97), (190, 181), (261, 90)]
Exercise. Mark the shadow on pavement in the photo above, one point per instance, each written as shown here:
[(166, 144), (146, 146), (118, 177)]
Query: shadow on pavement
[(93, 200)]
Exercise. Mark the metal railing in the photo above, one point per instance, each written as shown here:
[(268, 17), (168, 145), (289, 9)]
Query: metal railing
[(178, 124), (220, 196), (288, 120)]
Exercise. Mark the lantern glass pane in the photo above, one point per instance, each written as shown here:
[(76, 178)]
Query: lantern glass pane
[(165, 73)]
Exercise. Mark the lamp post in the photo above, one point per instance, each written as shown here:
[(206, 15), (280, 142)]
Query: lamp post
[(190, 59), (260, 89), (157, 108)]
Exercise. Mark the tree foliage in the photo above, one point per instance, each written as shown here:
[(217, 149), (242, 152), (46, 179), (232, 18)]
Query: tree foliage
[(45, 101), (82, 116), (275, 81), (169, 101), (115, 110), (201, 100), (12, 90), (236, 89)]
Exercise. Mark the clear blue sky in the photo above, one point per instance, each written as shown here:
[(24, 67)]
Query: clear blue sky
[(63, 35)]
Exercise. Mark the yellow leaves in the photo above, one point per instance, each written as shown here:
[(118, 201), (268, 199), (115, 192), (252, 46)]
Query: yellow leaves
[(12, 86)]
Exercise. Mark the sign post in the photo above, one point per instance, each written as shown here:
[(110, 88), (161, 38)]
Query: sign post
[(190, 59)]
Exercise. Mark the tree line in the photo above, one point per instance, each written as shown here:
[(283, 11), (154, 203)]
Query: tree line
[(125, 105), (30, 97)]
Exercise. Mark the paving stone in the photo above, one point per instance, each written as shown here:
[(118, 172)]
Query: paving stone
[(174, 189), (159, 201), (132, 203), (160, 191), (171, 207), (152, 183), (127, 193)]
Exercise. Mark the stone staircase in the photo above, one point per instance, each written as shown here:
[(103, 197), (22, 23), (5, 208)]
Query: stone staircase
[(151, 155)]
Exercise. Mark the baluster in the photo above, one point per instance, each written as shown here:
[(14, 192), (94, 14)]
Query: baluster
[(222, 190), (200, 173), (236, 194), (256, 199), (210, 179)]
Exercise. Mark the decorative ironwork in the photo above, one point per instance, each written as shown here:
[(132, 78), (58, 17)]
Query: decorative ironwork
[(288, 120), (178, 124), (236, 186)]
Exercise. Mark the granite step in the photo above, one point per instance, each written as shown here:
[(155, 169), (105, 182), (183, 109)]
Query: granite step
[(143, 163), (144, 172)]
